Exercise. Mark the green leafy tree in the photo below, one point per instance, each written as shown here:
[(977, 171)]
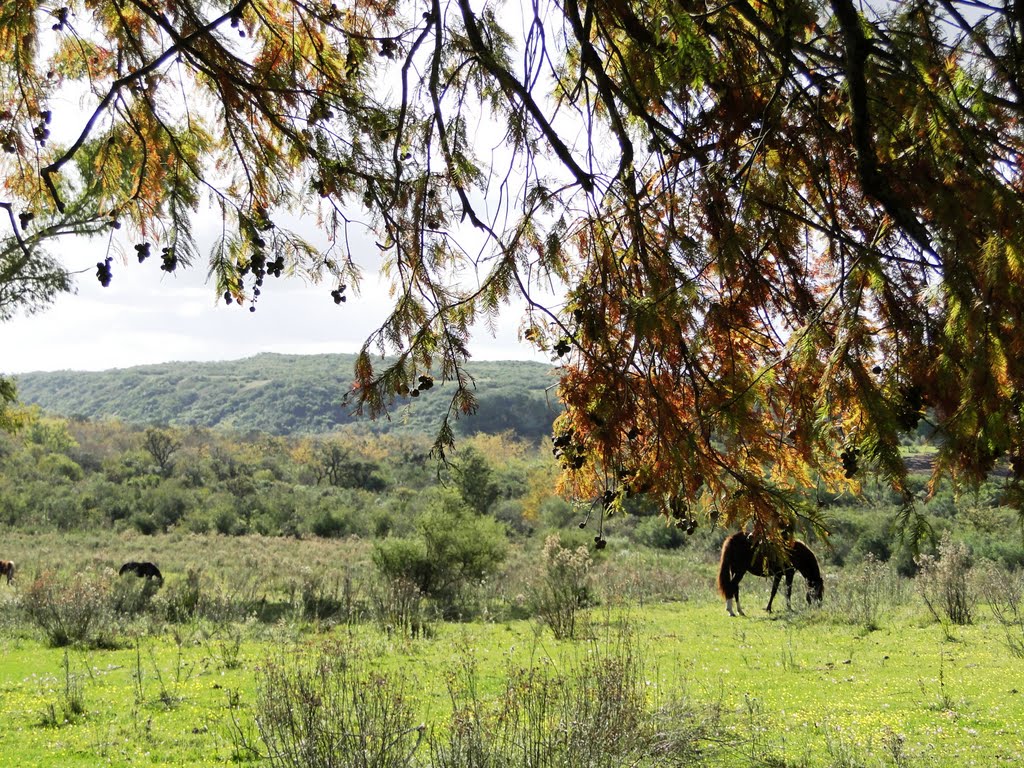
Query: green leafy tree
[(475, 481), (11, 416), (785, 229)]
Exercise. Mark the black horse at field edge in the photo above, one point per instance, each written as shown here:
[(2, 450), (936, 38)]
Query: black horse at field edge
[(740, 553), (142, 570)]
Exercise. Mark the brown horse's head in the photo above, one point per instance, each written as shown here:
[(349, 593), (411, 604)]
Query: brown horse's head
[(815, 591)]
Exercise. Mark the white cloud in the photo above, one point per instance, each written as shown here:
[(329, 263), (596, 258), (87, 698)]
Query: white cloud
[(143, 318)]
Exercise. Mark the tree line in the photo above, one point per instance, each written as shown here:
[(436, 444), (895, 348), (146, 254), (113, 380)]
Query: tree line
[(65, 474)]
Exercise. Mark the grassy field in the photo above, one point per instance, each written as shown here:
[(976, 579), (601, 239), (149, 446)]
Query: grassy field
[(796, 689)]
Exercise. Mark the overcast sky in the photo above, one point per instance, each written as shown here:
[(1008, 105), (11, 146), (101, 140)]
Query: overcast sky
[(147, 316)]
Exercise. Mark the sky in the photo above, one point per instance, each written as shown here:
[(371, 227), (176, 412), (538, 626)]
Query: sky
[(148, 316)]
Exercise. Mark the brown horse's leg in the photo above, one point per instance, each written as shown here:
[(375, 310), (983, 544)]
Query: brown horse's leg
[(732, 593), (775, 587), (789, 588)]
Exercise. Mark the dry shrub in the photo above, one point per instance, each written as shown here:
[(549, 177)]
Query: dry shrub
[(563, 588), (944, 583), (330, 707), (595, 711), (864, 592), (73, 610), (1003, 590)]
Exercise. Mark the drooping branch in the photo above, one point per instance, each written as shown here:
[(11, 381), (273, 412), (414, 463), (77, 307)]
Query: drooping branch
[(115, 88), (511, 84), (875, 183)]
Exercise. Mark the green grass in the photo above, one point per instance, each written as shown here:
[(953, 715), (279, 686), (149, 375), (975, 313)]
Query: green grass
[(795, 691)]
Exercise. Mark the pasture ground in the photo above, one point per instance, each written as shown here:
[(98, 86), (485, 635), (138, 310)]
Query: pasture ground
[(800, 689)]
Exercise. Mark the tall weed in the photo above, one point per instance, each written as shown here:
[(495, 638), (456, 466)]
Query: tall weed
[(596, 711), (563, 588), (329, 708), (864, 592), (1003, 590)]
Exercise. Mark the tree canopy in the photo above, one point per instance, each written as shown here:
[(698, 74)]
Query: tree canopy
[(785, 230)]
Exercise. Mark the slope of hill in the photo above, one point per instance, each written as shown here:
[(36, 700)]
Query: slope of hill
[(287, 394)]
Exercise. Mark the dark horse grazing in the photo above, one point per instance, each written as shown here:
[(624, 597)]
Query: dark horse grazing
[(7, 569), (740, 554), (147, 570)]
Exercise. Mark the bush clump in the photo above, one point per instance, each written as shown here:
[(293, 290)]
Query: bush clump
[(73, 610), (563, 588), (453, 549)]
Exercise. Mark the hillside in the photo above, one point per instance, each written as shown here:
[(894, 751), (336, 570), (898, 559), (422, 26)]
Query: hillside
[(287, 394)]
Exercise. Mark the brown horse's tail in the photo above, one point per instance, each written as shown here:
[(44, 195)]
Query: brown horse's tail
[(723, 567)]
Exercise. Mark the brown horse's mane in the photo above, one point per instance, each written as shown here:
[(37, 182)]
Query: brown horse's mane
[(804, 561)]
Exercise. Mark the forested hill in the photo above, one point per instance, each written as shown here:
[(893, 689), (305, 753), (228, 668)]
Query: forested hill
[(287, 394)]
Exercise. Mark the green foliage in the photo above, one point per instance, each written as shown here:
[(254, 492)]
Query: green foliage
[(659, 533), (475, 481), (12, 417), (452, 550)]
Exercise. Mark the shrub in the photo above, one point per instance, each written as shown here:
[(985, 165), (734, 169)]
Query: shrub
[(74, 610), (594, 712), (655, 533), (944, 582), (328, 525), (145, 524), (864, 591), (453, 549), (399, 607), (563, 588), (182, 599), (132, 596)]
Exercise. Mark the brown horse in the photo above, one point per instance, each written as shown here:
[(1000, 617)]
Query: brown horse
[(740, 553), (7, 569)]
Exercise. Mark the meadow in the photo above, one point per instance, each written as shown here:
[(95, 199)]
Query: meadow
[(286, 657)]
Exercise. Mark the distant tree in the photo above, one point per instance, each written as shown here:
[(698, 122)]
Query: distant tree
[(11, 415), (339, 468), (527, 416), (161, 444), (475, 480), (785, 229)]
